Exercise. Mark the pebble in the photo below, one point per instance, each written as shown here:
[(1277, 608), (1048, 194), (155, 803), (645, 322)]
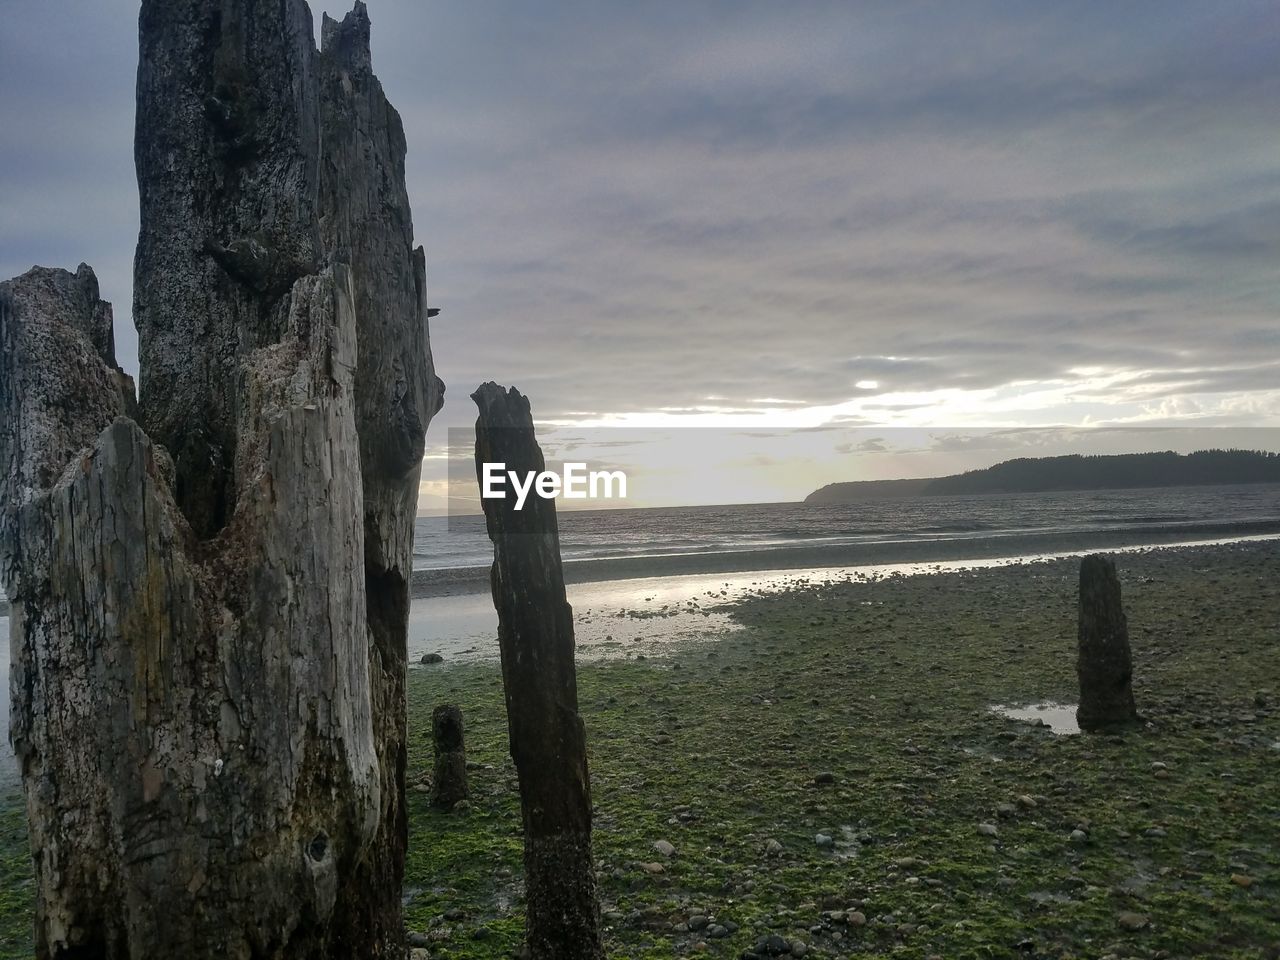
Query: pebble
[(988, 830), (699, 922), (1027, 802), (772, 847), (855, 918), (824, 841), (1078, 836), (773, 944), (430, 658), (717, 931), (1242, 880), (1006, 810), (824, 778), (1133, 921), (664, 848)]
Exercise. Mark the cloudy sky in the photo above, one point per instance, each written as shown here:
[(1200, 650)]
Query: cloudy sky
[(764, 215)]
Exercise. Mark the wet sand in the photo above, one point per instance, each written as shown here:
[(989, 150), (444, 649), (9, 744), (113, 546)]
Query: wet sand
[(619, 617), (435, 583)]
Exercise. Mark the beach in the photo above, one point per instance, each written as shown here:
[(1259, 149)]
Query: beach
[(823, 757), (831, 773), (474, 578)]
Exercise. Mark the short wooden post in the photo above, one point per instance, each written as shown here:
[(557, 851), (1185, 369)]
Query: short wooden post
[(449, 783), (1104, 662)]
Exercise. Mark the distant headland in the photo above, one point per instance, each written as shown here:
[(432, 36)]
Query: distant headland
[(1073, 472)]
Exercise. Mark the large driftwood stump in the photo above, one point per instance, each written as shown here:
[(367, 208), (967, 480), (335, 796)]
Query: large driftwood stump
[(449, 779), (548, 740), (1104, 663), (210, 592)]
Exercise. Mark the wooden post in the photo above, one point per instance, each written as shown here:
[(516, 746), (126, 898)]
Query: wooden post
[(1104, 663), (449, 782), (209, 588), (548, 740)]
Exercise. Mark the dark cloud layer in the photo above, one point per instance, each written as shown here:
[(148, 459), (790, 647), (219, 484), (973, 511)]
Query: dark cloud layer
[(637, 207)]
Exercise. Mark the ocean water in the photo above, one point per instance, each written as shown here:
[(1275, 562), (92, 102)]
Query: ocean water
[(443, 543)]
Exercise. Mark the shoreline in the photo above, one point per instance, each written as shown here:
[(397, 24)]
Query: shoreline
[(858, 709), (460, 581), (468, 580)]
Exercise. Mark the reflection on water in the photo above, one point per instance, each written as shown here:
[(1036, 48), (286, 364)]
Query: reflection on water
[(610, 619), (1058, 717), (617, 618)]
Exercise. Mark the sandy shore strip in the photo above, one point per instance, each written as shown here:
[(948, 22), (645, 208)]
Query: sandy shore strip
[(461, 580), (466, 580)]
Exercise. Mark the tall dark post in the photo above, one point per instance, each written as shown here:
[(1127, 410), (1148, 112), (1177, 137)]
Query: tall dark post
[(1104, 663), (548, 741)]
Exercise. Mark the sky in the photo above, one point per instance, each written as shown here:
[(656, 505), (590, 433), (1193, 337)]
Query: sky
[(805, 218)]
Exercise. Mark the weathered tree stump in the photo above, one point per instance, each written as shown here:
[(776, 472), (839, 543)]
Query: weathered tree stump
[(548, 740), (449, 782), (1104, 663), (209, 590)]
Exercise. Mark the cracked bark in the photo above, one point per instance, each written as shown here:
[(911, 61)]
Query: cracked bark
[(209, 589)]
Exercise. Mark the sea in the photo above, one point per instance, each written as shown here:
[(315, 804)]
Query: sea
[(444, 543)]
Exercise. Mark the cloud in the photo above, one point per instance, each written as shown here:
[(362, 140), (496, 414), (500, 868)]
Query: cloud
[(628, 209), (871, 445)]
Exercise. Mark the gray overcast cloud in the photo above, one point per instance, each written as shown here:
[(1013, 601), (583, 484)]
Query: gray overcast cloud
[(1026, 212)]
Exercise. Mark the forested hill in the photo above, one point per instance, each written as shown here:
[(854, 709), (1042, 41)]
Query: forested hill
[(1075, 472)]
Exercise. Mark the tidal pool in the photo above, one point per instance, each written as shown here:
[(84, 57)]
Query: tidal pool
[(1058, 717)]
